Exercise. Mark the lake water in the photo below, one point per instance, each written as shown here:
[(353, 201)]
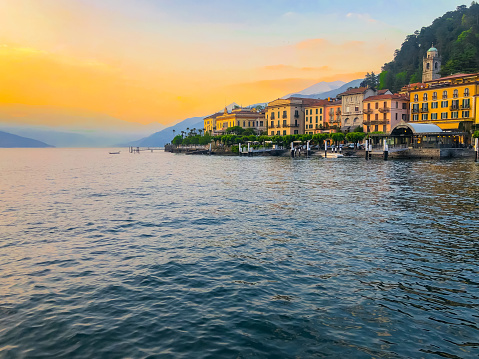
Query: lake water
[(170, 256)]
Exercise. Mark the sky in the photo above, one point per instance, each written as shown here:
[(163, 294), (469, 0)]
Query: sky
[(166, 60)]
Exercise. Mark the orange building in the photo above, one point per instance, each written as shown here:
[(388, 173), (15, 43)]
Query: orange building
[(383, 112)]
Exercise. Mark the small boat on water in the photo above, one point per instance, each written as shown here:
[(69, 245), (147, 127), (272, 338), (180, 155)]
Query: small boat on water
[(114, 153)]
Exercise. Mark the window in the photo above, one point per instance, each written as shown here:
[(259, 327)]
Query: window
[(465, 114), (416, 98), (434, 105), (272, 124), (415, 107), (454, 104), (404, 106), (425, 106), (455, 93), (285, 115), (278, 133), (427, 66), (278, 114), (466, 92), (320, 111), (272, 133), (415, 117), (444, 94), (424, 97), (433, 116), (376, 117), (316, 111), (296, 113), (295, 132), (284, 123), (424, 116), (321, 118), (454, 114), (272, 115), (244, 123), (316, 119), (260, 123), (397, 104), (466, 103), (434, 95), (284, 133), (443, 115), (444, 104), (396, 114), (376, 105), (356, 109)]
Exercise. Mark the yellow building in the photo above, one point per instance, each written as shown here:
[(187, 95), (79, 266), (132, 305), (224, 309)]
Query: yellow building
[(286, 116), (242, 117), (449, 102), (314, 116), (209, 123)]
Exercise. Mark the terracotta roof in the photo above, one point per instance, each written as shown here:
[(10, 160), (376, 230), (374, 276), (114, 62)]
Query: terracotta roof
[(452, 77), (382, 92), (354, 91), (386, 97), (213, 115), (315, 102)]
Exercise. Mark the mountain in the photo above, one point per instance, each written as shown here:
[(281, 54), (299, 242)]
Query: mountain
[(330, 93), (320, 87), (455, 35), (70, 128), (159, 139), (9, 140)]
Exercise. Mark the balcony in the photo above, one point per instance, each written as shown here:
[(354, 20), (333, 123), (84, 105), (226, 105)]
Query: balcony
[(424, 110), (384, 109), (444, 97), (296, 116), (376, 122), (454, 108), (368, 111), (285, 116), (338, 112), (415, 110), (292, 125), (272, 126), (465, 107)]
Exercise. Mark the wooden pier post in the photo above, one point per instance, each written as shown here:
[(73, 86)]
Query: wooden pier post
[(325, 149), (386, 150), (366, 147), (292, 149), (476, 145)]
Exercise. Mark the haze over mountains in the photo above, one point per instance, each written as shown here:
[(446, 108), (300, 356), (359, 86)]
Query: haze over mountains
[(84, 129)]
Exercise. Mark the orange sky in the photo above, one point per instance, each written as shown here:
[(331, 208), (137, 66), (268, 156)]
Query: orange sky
[(144, 61)]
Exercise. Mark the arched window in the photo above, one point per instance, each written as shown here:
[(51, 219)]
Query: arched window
[(466, 92), (444, 94), (416, 98), (434, 95), (435, 65), (455, 93), (427, 66), (424, 98)]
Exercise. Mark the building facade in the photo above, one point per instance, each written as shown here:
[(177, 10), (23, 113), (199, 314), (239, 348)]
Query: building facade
[(242, 117), (287, 116), (352, 107), (383, 112), (209, 123), (314, 116), (449, 102)]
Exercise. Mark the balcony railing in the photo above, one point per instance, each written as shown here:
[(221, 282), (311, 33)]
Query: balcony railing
[(296, 116), (285, 116), (454, 108), (415, 110), (444, 97), (368, 111), (465, 107), (292, 125), (424, 110), (338, 112), (376, 122), (384, 109)]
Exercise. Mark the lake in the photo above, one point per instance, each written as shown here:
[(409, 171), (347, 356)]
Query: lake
[(157, 255)]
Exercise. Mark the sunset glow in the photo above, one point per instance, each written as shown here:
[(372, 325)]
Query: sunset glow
[(163, 61)]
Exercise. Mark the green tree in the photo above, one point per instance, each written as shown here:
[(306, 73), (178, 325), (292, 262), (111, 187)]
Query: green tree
[(177, 140), (337, 137)]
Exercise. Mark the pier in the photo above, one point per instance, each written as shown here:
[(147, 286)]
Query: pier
[(132, 149)]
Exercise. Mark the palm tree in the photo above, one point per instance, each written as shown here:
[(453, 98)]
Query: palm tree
[(182, 134), (200, 131)]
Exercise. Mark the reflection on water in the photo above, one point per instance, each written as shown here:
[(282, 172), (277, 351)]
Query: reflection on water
[(195, 256)]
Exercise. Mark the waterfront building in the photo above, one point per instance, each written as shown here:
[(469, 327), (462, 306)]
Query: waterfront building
[(242, 117), (449, 102), (209, 123), (286, 116), (383, 112), (332, 115), (314, 116), (352, 107), (431, 65)]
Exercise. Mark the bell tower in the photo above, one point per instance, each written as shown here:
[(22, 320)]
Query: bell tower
[(431, 65)]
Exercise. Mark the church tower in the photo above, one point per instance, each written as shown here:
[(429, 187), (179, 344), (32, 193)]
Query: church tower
[(431, 65)]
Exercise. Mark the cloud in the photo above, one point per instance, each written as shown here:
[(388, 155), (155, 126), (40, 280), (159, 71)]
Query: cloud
[(363, 17), (294, 68)]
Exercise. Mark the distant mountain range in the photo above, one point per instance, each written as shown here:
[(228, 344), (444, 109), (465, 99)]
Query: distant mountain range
[(333, 92), (8, 140)]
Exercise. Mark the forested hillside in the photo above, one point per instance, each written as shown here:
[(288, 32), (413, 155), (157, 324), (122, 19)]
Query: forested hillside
[(455, 35)]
